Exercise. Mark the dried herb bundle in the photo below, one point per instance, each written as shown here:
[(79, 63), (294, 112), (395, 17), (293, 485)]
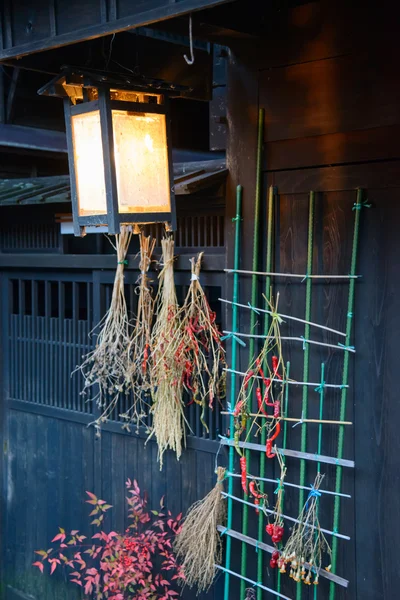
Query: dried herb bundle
[(106, 365), (166, 372), (269, 388), (305, 547), (139, 349), (200, 348), (198, 545)]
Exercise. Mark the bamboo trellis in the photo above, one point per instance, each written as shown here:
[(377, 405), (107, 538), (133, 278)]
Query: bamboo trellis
[(320, 388)]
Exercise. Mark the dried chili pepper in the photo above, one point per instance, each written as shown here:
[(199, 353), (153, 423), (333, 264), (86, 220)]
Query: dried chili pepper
[(238, 408), (249, 375), (275, 365), (277, 409), (268, 448), (145, 358), (243, 469), (258, 363), (252, 488), (260, 402)]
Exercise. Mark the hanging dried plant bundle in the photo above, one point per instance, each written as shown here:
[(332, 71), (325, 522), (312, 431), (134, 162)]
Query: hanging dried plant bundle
[(307, 542), (276, 529), (166, 372), (200, 348), (268, 387), (139, 349), (198, 545), (106, 365)]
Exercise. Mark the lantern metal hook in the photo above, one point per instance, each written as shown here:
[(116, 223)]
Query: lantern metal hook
[(190, 60)]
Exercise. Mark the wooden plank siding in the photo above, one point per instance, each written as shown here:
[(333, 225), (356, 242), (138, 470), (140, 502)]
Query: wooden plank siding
[(331, 96)]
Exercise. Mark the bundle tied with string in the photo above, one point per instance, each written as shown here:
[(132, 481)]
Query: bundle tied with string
[(266, 376), (140, 349), (106, 365), (200, 349), (167, 409), (307, 543), (198, 545)]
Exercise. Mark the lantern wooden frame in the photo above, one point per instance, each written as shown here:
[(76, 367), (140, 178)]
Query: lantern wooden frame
[(84, 92)]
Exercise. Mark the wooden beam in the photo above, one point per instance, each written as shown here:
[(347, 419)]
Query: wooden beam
[(99, 29), (199, 182), (11, 94)]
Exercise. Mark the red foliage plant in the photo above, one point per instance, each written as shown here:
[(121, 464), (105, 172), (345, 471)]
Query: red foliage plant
[(138, 564)]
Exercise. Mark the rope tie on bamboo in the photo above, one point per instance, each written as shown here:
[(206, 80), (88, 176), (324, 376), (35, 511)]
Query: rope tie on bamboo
[(123, 262), (360, 205), (314, 493), (194, 277), (279, 487), (277, 317), (348, 348), (232, 336), (253, 308), (299, 422)]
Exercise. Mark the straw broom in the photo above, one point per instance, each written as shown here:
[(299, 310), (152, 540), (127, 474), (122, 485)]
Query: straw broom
[(166, 372), (198, 545), (139, 349), (106, 365)]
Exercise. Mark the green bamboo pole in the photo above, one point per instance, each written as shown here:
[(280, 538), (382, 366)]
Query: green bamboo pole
[(303, 444), (253, 315), (236, 262), (284, 442), (345, 378), (268, 268), (319, 449)]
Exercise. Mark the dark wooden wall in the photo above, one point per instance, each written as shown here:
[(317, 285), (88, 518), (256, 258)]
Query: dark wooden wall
[(51, 453), (326, 75)]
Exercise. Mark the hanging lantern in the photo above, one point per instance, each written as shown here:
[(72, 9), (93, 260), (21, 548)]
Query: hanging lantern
[(119, 148)]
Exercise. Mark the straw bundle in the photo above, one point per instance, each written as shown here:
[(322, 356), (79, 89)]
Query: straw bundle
[(140, 349), (106, 365), (166, 372), (198, 545)]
